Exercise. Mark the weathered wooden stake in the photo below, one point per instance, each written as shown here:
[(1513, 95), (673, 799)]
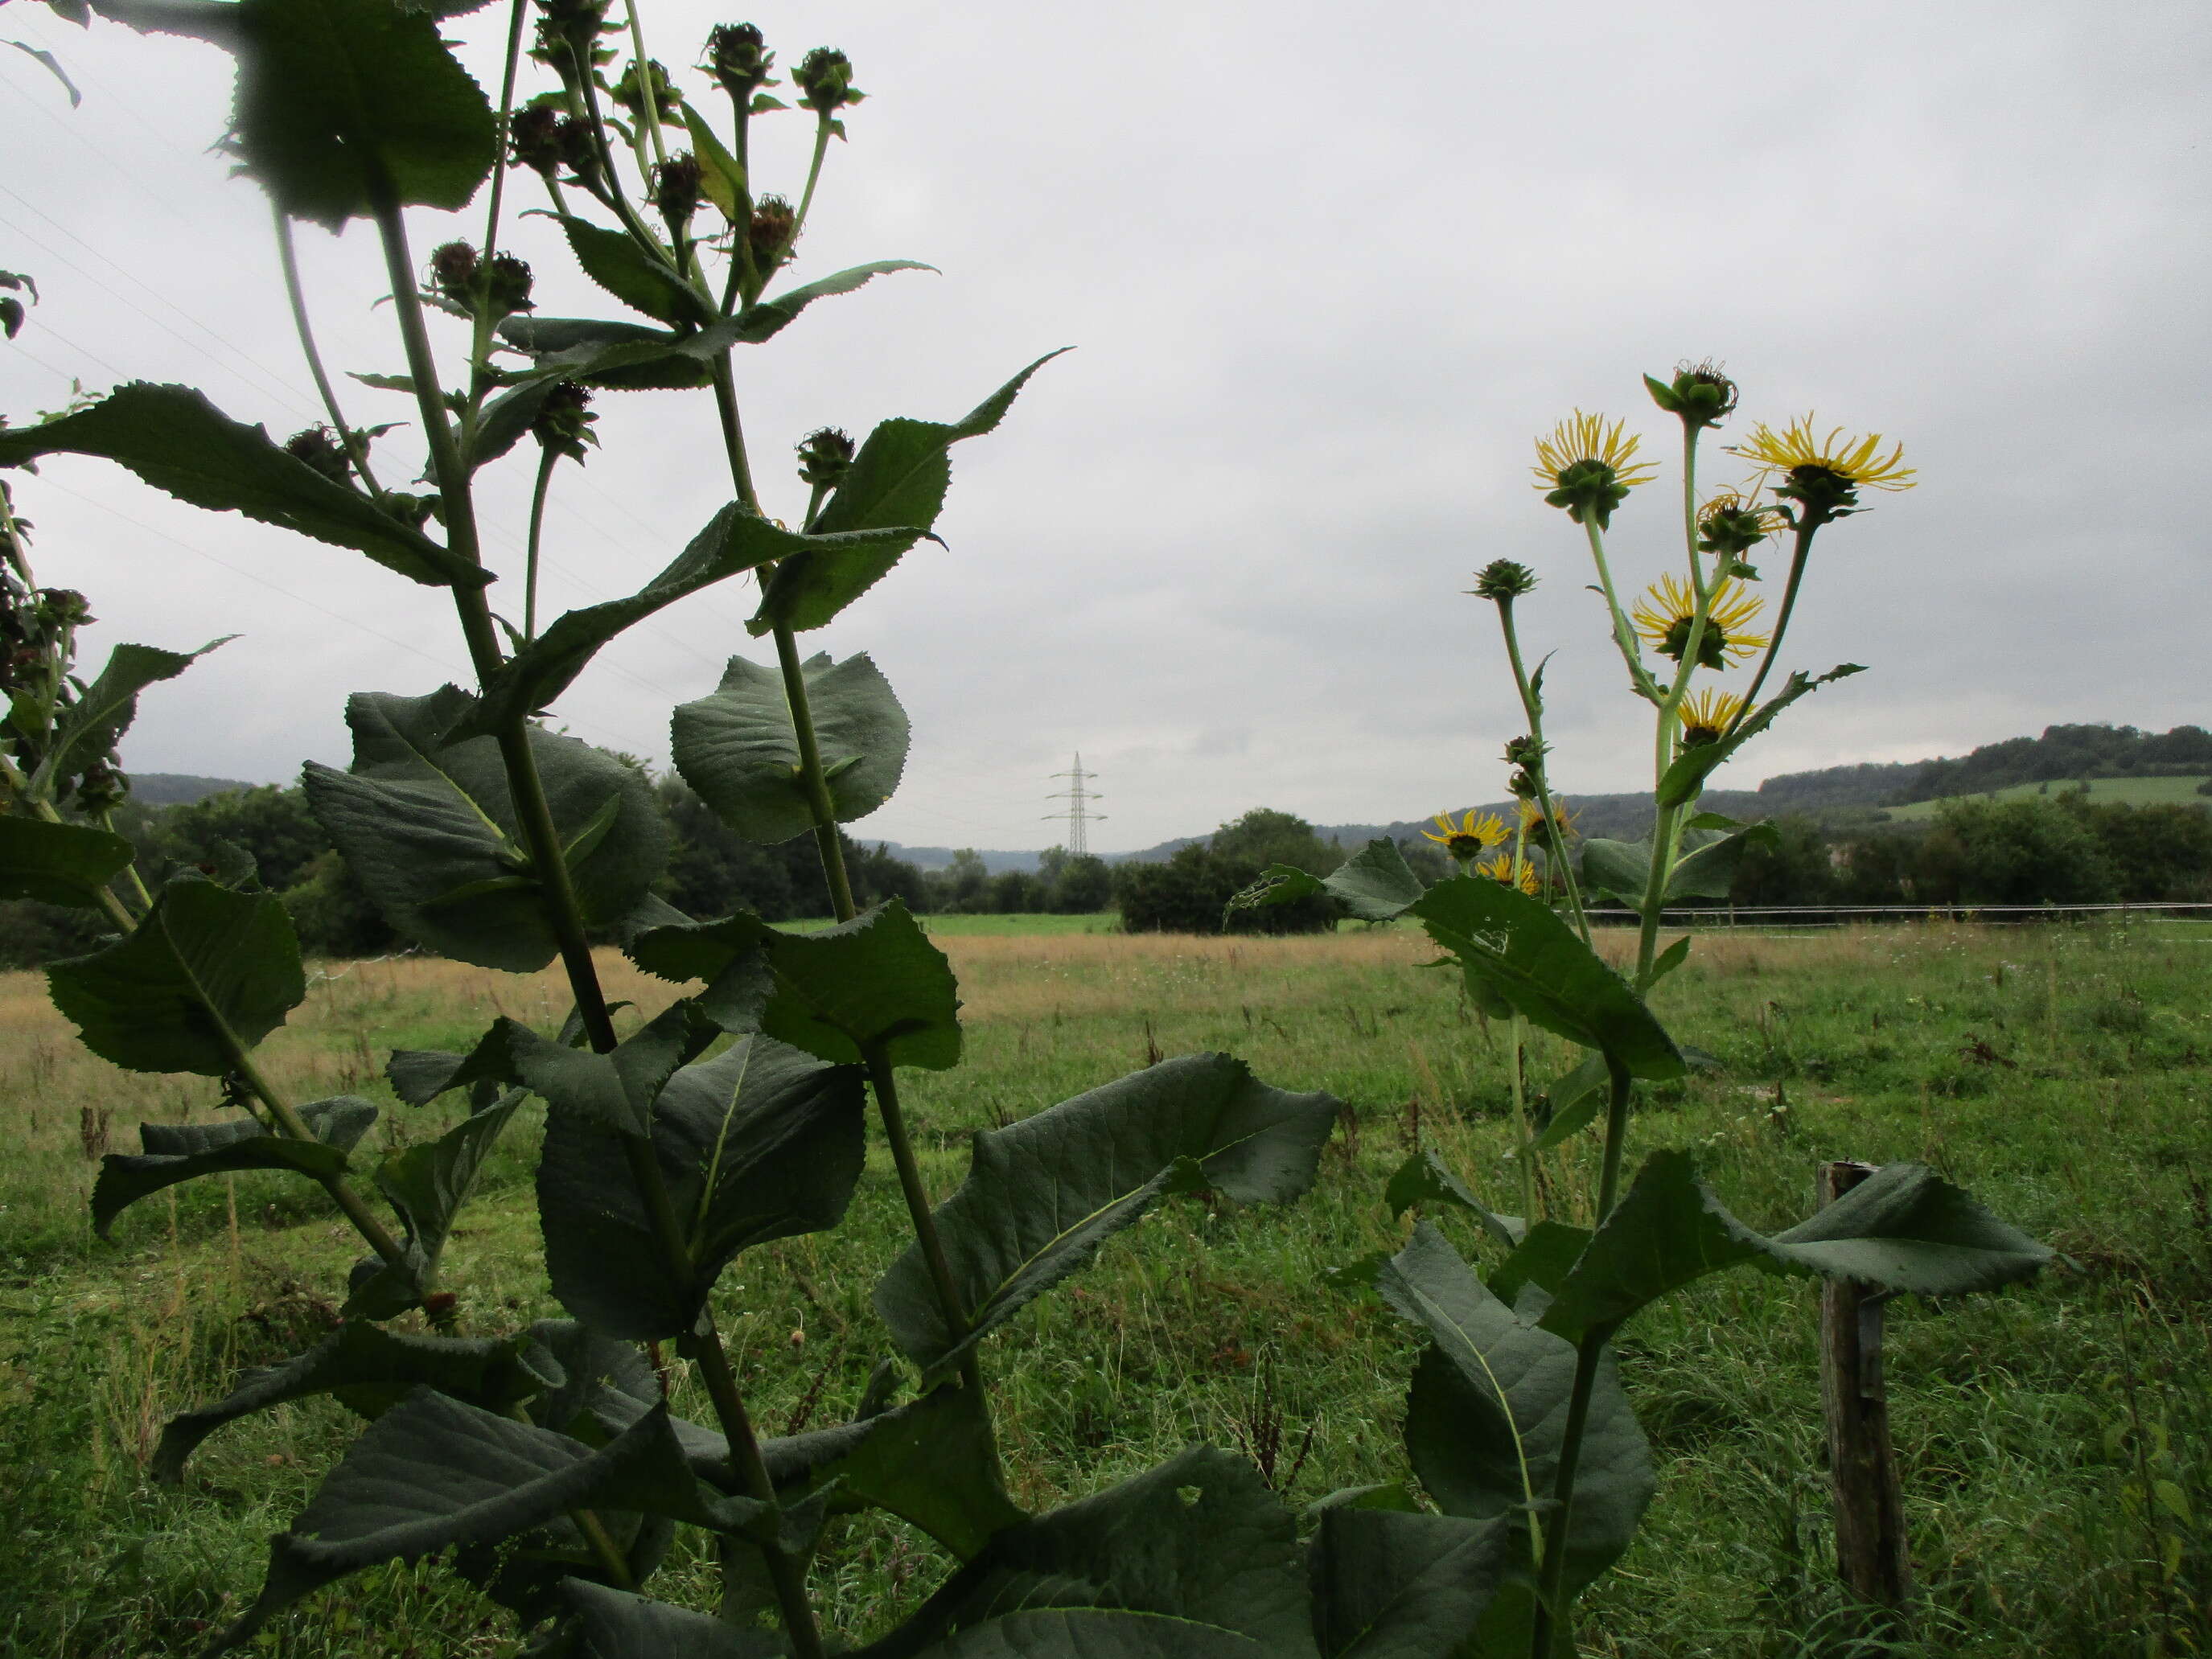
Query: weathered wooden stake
[(1869, 1501)]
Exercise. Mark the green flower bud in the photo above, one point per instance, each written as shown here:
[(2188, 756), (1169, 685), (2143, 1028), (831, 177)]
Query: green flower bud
[(824, 457), (824, 80), (533, 136), (453, 270), (1700, 393), (629, 93), (1503, 580), (64, 607), (564, 421), (675, 189), (739, 60), (769, 235), (1524, 751), (507, 283)]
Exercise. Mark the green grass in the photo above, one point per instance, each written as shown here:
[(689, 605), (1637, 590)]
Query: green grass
[(2052, 1438), (2105, 792), (1028, 924)]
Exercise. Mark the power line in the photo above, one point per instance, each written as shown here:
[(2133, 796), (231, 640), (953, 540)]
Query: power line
[(1079, 814)]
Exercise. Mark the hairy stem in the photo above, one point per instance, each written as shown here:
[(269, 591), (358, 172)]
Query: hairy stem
[(357, 446), (812, 778), (546, 460), (884, 1081), (288, 1118)]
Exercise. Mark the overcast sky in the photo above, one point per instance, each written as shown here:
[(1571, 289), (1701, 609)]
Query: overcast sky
[(1329, 269)]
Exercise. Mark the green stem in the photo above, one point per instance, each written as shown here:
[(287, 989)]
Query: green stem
[(1533, 708), (651, 120), (1623, 636), (1527, 1156), (1807, 524), (480, 346), (813, 178), (541, 840), (18, 791), (138, 883), (288, 1118), (546, 460), (812, 782), (1552, 1614), (357, 446), (884, 1081)]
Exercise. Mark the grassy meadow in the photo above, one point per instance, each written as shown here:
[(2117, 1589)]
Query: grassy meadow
[(2105, 791), (2052, 1438)]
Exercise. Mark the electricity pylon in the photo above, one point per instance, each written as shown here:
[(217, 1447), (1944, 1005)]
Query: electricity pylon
[(1079, 797)]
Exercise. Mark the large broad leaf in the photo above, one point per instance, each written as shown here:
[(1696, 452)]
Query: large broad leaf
[(1388, 1585), (434, 1473), (1425, 1178), (1704, 869), (615, 1091), (1685, 779), (182, 1151), (92, 725), (207, 974), (617, 264), (618, 356), (1044, 1193), (178, 442), (1513, 945), (733, 541), (738, 746), (873, 982), (1375, 884), (1089, 1633), (370, 1369), (341, 102), (1486, 1416), (430, 830), (1199, 1542), (764, 317), (933, 1461), (59, 863), (605, 1623), (426, 1185), (1618, 870), (1904, 1228), (898, 477), (760, 1143)]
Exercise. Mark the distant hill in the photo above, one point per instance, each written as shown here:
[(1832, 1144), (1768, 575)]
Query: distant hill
[(178, 788), (2182, 791)]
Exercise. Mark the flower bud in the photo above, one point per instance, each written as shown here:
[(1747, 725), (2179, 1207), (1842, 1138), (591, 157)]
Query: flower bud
[(563, 423), (675, 189), (1523, 751), (629, 93), (739, 60), (319, 448), (769, 235), (103, 787), (533, 135), (824, 457), (824, 80), (1503, 580), (507, 284), (1700, 393), (64, 607), (1522, 786), (453, 270)]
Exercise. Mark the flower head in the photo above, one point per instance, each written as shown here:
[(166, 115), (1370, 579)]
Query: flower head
[(824, 80), (1589, 467), (825, 456), (1664, 616), (1547, 832), (1469, 838), (1499, 868), (1502, 579), (738, 59), (1700, 393), (1729, 526), (1824, 474), (1706, 716)]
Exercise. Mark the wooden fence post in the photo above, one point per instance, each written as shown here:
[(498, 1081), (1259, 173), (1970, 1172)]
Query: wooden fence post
[(1869, 1504)]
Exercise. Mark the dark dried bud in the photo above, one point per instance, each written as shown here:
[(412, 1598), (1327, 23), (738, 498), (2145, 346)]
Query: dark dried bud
[(567, 36), (508, 286), (453, 269), (629, 93), (64, 607), (769, 234), (824, 80), (1700, 393), (1523, 786), (739, 60), (824, 457), (103, 787), (319, 448), (675, 189), (1503, 580), (1524, 751), (564, 420), (534, 134)]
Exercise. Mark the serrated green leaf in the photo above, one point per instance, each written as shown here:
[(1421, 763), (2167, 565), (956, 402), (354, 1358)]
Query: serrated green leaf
[(1485, 1417), (733, 542), (59, 863), (761, 1142), (419, 1076), (615, 1089), (1089, 1633), (1516, 946), (429, 828), (426, 1185), (1424, 1178), (1374, 883), (1198, 1543), (343, 101), (1043, 1194), (1904, 1228), (175, 1152), (368, 1368), (434, 1473), (207, 972), (1571, 1104), (605, 1623), (1543, 1259), (765, 317), (933, 1461), (898, 477), (1396, 1586), (722, 179), (1685, 779), (874, 980), (92, 725), (626, 272), (738, 747), (1708, 869), (1669, 959), (1620, 869)]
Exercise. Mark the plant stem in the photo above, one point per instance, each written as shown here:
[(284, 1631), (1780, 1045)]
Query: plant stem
[(18, 791), (480, 346), (811, 779), (884, 1081), (131, 871), (1806, 525), (541, 839), (1623, 636), (1526, 1157), (1533, 707), (357, 446), (651, 119), (288, 1118), (1552, 1573), (546, 459)]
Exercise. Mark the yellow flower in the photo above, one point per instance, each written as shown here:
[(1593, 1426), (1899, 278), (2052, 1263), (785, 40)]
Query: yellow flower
[(1737, 523), (1662, 618), (1469, 838), (1706, 715), (1539, 833), (1854, 460), (1498, 867), (1589, 467)]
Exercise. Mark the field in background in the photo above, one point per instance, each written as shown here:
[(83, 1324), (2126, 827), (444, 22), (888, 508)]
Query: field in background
[(2105, 791), (2052, 1438)]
